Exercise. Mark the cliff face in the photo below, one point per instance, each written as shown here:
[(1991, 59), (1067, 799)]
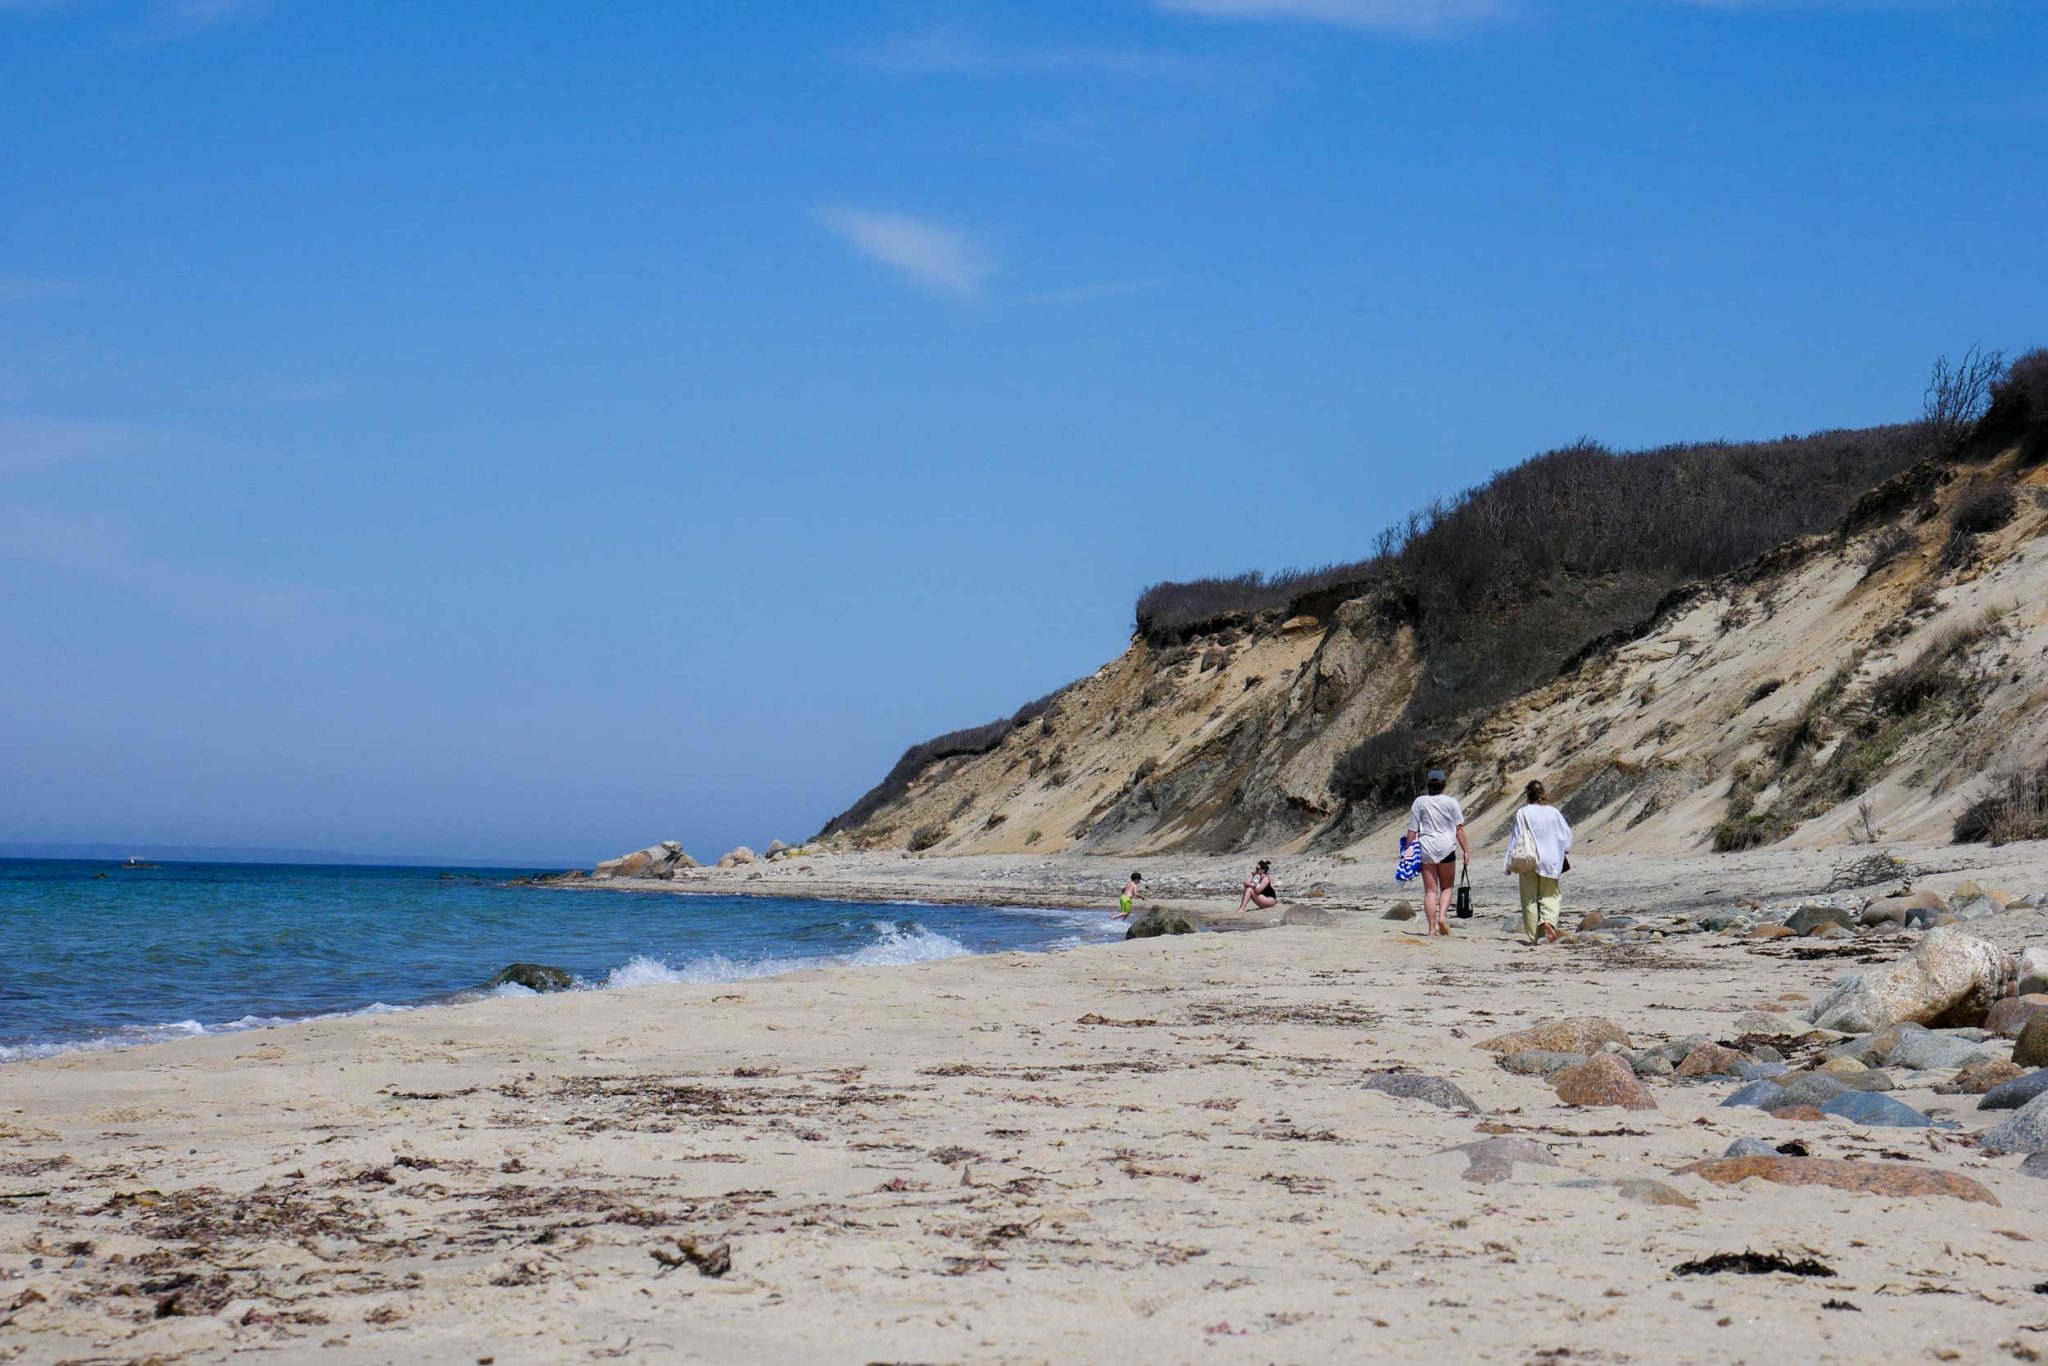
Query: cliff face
[(1855, 684)]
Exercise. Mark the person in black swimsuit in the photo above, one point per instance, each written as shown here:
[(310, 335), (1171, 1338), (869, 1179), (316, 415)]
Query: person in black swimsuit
[(1259, 889)]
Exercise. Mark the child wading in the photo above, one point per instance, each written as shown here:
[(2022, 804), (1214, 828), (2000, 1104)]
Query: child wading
[(1539, 853), (1135, 888)]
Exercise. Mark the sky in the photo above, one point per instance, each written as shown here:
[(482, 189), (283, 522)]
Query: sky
[(530, 431)]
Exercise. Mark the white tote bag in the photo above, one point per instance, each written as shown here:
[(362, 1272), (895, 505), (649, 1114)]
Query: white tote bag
[(1522, 853)]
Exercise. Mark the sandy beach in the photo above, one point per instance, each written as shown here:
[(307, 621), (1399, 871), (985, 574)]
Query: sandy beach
[(1156, 1150)]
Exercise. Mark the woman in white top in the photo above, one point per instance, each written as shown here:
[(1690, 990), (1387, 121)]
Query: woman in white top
[(1543, 838), (1439, 823)]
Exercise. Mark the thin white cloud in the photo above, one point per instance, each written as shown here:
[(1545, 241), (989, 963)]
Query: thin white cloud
[(927, 254), (1075, 294), (98, 546), (945, 52), (33, 286), (1398, 16), (28, 444)]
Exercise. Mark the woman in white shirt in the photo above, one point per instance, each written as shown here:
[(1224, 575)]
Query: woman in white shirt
[(1541, 841), (1439, 823)]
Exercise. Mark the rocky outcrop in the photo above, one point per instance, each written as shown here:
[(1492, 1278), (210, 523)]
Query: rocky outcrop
[(661, 861), (1951, 979)]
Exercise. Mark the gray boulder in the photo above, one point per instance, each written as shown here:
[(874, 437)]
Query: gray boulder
[(1810, 1088), (1313, 916), (2025, 1131), (2011, 1095), (1438, 1091), (1400, 910), (1810, 919), (1758, 1071), (1540, 1062), (1762, 1094), (2033, 971), (2036, 1165), (1926, 1051), (1876, 1110), (1952, 978), (1751, 1147), (1154, 921), (534, 977)]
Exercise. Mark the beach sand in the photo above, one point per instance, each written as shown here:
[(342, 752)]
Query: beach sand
[(1157, 1150)]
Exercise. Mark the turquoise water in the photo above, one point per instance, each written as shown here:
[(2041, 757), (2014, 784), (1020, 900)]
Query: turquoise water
[(92, 956)]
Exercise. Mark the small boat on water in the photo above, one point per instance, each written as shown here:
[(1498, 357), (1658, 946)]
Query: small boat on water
[(138, 862)]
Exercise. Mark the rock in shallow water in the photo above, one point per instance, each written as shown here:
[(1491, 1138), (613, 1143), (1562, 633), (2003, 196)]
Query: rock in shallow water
[(1875, 1178), (1438, 1091), (534, 977)]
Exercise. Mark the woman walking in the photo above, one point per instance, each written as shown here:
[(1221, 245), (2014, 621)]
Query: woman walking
[(1538, 852), (1438, 822)]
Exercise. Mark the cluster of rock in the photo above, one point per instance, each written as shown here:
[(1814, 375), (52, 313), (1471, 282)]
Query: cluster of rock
[(665, 861), (1826, 917), (662, 861), (1948, 1008)]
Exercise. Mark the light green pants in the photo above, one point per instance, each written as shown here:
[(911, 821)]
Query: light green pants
[(1542, 901)]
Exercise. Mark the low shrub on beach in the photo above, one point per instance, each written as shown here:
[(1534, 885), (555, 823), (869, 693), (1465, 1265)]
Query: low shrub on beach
[(2015, 809)]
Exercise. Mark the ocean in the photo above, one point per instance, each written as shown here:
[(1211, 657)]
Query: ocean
[(95, 956)]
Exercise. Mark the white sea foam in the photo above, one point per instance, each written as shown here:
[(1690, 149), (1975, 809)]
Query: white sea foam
[(900, 945)]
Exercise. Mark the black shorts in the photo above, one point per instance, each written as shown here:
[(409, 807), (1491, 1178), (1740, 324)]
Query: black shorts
[(1451, 863)]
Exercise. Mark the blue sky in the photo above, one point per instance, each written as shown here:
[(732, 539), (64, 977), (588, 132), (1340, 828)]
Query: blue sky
[(534, 430)]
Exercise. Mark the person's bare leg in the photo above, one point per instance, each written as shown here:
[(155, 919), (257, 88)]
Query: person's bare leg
[(1432, 897)]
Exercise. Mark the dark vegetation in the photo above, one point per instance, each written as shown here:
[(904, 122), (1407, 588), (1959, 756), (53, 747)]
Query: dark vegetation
[(2017, 412), (1520, 577), (2015, 809), (1867, 731), (971, 741)]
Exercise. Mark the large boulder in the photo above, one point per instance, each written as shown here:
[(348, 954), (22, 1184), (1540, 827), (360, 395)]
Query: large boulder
[(656, 861), (1154, 921), (2011, 1095), (534, 977), (1314, 916), (2033, 971), (734, 859), (1951, 979), (1438, 1091)]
